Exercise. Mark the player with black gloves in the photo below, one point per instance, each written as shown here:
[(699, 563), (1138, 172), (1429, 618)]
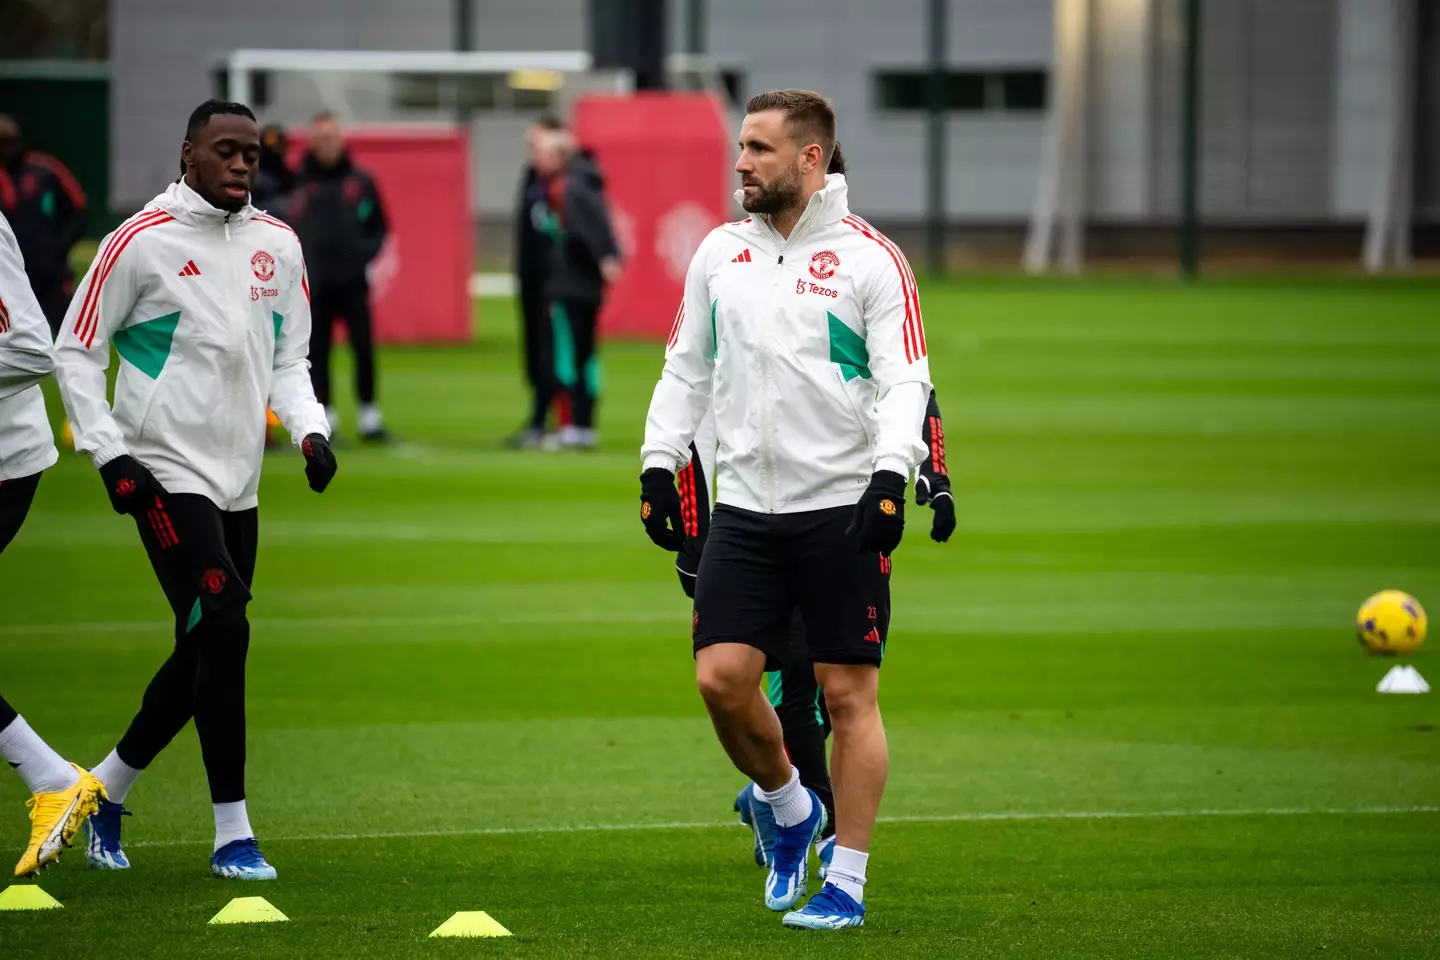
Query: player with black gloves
[(801, 328), (205, 299), (792, 689)]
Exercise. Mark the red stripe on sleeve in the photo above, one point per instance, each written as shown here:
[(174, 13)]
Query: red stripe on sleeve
[(87, 321), (266, 218), (675, 327), (68, 183), (907, 280), (911, 345)]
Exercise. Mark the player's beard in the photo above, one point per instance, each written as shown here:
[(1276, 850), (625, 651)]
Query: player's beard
[(779, 195)]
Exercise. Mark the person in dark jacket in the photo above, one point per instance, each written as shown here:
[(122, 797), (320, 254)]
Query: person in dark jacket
[(584, 262), (275, 179), (337, 213), (532, 270), (46, 209)]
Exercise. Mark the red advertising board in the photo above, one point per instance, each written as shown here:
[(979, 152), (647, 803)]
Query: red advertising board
[(420, 283), (668, 165)]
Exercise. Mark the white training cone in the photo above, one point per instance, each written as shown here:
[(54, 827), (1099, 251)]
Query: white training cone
[(1402, 679)]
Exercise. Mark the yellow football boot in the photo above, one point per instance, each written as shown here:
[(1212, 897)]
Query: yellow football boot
[(55, 818)]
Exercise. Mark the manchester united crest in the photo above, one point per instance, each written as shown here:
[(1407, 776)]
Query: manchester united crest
[(264, 266), (823, 265)]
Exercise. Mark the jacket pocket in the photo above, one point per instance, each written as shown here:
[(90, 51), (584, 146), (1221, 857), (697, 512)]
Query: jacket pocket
[(135, 397), (854, 410)]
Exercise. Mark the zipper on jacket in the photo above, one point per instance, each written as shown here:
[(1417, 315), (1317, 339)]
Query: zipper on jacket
[(770, 312), (235, 357)]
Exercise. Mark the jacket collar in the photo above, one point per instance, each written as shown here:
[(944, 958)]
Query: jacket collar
[(830, 204), (187, 206)]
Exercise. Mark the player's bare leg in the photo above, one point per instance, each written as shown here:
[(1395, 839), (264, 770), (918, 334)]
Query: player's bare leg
[(728, 675), (860, 756), (859, 765)]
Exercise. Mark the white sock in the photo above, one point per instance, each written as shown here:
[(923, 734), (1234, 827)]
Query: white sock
[(369, 418), (231, 823), (333, 416), (117, 775), (791, 803), (847, 871), (42, 769)]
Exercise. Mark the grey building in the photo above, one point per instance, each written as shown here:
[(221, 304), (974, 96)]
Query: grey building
[(1294, 94)]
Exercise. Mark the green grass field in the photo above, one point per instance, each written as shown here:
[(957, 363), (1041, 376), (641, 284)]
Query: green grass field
[(1127, 713)]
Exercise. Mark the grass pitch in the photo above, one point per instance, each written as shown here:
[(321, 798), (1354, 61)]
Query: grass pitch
[(1127, 714)]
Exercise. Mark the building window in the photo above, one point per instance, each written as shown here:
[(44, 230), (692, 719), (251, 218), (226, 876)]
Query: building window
[(966, 91)]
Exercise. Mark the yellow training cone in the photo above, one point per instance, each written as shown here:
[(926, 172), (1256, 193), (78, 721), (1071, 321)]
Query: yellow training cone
[(27, 897), (474, 923), (249, 910)]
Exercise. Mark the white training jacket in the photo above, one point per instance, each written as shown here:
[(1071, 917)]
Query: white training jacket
[(210, 314), (27, 445), (816, 351)]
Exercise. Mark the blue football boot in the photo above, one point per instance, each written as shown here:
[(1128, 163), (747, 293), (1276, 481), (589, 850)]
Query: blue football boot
[(241, 860), (756, 815), (830, 909), (825, 850), (102, 833), (790, 860)]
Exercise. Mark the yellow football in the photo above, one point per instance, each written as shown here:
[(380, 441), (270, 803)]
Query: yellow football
[(1391, 622)]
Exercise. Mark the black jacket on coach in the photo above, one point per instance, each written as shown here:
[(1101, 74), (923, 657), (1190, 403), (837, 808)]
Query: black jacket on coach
[(337, 213), (46, 209), (532, 243), (580, 226)]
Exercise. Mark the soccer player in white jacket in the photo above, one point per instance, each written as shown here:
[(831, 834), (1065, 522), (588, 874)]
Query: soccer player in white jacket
[(802, 325), (205, 300), (62, 794)]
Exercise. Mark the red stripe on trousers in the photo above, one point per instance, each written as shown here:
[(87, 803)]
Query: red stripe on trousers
[(165, 516)]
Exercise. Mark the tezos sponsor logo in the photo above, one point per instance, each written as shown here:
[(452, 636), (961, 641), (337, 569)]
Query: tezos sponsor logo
[(802, 286)]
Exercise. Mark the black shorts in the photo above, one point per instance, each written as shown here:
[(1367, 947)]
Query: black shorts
[(15, 499), (203, 556), (759, 570)]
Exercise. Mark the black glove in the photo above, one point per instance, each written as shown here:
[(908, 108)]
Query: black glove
[(319, 462), (660, 502), (880, 515), (132, 488), (935, 490)]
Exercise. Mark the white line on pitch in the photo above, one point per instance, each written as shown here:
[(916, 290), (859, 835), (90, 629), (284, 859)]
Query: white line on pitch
[(977, 817)]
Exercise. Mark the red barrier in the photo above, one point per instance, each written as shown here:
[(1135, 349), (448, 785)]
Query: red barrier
[(668, 165), (420, 283)]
